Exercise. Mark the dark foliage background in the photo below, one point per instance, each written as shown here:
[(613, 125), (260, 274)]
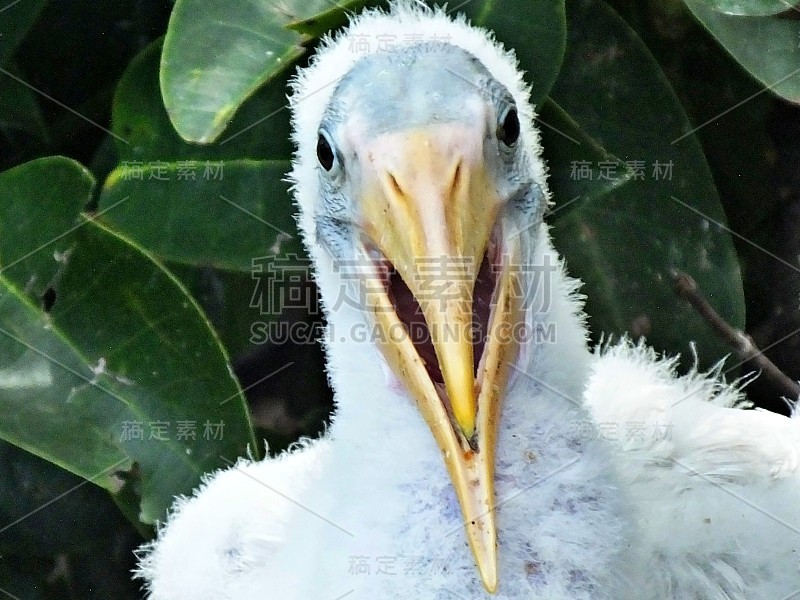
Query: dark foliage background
[(77, 75)]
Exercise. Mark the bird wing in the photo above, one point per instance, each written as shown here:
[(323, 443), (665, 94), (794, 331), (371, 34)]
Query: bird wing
[(234, 522), (715, 489)]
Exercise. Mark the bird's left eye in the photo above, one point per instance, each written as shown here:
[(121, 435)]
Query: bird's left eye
[(508, 127), (325, 153)]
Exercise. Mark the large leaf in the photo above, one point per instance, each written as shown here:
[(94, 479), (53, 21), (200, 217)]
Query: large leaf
[(667, 217), (19, 108), (216, 54), (579, 168), (538, 40), (750, 7), (123, 379), (16, 18), (224, 214), (260, 129), (315, 17), (752, 169), (40, 204), (768, 47), (204, 78), (251, 309), (707, 95)]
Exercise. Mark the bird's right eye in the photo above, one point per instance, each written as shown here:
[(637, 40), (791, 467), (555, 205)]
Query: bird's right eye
[(508, 129), (325, 153)]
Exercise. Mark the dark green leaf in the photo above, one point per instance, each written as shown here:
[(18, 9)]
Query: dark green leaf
[(260, 129), (15, 21), (224, 214), (241, 306), (83, 383), (40, 204), (317, 17), (768, 47), (668, 216), (749, 7), (19, 108), (579, 169), (123, 351), (216, 54), (537, 38), (708, 81)]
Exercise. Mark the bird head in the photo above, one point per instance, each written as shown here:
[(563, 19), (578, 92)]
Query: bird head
[(418, 166)]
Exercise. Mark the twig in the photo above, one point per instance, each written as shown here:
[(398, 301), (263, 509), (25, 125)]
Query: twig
[(686, 287)]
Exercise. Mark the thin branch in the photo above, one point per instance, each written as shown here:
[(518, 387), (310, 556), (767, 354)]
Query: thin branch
[(686, 287)]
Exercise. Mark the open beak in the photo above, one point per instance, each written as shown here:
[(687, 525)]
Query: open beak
[(429, 211)]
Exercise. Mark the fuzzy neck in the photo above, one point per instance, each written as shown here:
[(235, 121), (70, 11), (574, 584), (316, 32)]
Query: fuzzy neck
[(558, 512)]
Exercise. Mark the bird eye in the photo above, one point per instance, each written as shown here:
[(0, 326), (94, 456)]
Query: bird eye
[(325, 153), (508, 129)]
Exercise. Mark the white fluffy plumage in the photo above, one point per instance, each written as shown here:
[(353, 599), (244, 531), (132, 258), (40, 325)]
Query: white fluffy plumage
[(615, 477)]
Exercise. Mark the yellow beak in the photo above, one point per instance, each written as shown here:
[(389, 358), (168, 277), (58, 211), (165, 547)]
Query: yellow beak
[(430, 207)]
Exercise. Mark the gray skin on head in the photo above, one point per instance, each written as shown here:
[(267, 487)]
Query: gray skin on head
[(411, 87), (383, 89)]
